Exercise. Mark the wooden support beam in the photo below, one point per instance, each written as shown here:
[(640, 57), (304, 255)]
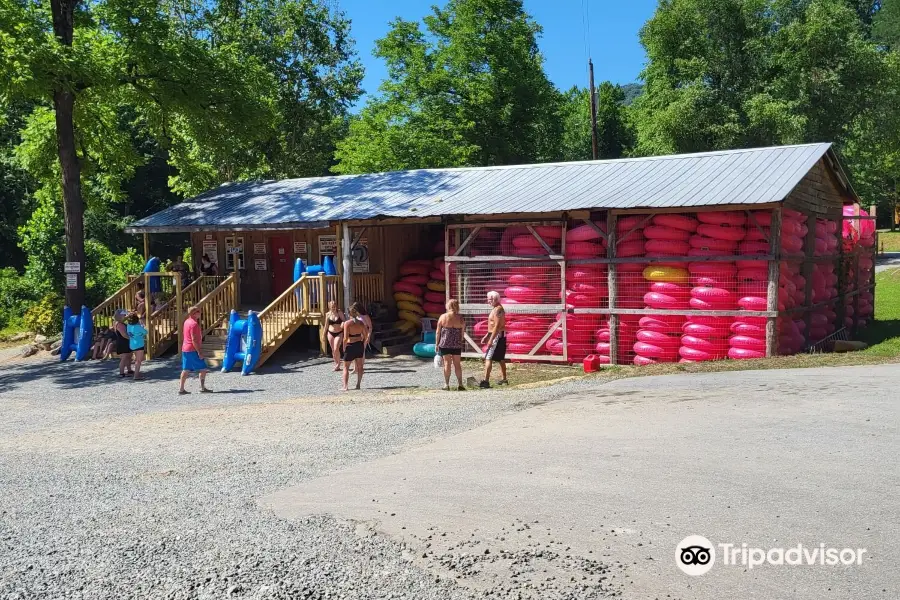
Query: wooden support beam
[(146, 247), (540, 240), (613, 285), (599, 231), (691, 209), (672, 312), (774, 275), (466, 242)]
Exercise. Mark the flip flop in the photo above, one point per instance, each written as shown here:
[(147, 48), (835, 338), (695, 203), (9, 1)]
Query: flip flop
[(183, 392)]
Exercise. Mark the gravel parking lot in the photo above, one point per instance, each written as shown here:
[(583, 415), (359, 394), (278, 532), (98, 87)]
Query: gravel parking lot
[(117, 489)]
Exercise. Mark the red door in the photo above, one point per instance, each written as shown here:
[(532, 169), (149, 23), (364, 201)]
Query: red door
[(282, 268)]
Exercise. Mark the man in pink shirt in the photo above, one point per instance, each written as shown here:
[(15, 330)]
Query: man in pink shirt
[(191, 358)]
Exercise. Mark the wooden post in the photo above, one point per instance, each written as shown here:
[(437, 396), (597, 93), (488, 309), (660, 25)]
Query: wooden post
[(322, 294), (338, 251), (613, 284), (562, 281), (146, 247), (150, 344), (809, 249), (774, 276), (346, 252), (179, 313)]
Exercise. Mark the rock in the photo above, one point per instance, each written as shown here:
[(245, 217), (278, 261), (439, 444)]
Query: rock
[(56, 351), (56, 345), (20, 336), (40, 339), (29, 350)]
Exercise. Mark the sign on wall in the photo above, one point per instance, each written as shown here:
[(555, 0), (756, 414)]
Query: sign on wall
[(259, 248), (211, 251), (259, 264), (73, 267), (234, 247), (299, 247), (327, 245), (361, 256), (71, 281)]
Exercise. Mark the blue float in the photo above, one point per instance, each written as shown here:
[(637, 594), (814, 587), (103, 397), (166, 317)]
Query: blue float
[(424, 350), (244, 342), (78, 334), (328, 265), (153, 266)]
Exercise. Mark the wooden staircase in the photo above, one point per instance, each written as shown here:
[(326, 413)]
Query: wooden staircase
[(392, 341), (214, 343)]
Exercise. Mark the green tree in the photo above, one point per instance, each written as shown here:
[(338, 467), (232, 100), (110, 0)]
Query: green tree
[(886, 25), (739, 73), (614, 136), (468, 90)]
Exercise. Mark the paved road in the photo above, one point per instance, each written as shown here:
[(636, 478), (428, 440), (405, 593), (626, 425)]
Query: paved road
[(623, 472), (888, 260)]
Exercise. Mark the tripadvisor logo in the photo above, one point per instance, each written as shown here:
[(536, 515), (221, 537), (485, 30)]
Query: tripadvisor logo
[(696, 555)]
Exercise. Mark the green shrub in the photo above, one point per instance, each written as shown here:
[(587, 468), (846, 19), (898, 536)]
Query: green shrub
[(107, 272), (45, 317), (17, 293)]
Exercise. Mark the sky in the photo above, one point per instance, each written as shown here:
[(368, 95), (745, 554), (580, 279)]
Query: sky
[(613, 25)]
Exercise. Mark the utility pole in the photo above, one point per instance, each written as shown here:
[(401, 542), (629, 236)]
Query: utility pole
[(594, 148)]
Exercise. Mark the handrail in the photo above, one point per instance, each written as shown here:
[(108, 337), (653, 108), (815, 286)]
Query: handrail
[(307, 297), (217, 304)]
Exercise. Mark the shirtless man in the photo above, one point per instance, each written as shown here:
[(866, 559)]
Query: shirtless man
[(496, 341)]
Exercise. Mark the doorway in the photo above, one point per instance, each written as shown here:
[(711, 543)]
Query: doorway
[(282, 266)]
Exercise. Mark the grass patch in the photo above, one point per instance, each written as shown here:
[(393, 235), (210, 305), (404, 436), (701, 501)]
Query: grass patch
[(883, 337), (889, 241)]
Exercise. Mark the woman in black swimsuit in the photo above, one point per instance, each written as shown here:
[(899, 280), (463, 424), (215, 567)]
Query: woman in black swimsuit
[(123, 346), (334, 332), (354, 340)]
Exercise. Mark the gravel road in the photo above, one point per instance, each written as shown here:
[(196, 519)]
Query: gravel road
[(117, 489)]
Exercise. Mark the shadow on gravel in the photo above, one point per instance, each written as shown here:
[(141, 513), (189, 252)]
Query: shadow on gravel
[(77, 375)]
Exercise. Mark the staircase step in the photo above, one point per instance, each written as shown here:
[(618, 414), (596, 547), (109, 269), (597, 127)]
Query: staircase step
[(397, 349), (396, 340)]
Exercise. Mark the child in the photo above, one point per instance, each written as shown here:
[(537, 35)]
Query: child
[(104, 345), (136, 335)]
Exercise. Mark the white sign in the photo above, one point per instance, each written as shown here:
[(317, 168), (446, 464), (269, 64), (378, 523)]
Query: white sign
[(259, 248), (71, 281), (281, 251), (259, 264), (209, 236), (235, 250), (299, 247), (361, 256), (327, 245), (211, 250), (73, 267)]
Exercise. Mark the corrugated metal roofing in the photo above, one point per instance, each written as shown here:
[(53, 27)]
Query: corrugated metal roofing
[(750, 176)]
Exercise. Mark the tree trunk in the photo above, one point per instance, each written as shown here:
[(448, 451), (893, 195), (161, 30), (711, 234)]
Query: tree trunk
[(73, 204)]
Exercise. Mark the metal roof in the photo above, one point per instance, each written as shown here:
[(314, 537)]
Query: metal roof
[(748, 176)]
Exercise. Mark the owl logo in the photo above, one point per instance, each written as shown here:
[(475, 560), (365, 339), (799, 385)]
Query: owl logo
[(695, 555)]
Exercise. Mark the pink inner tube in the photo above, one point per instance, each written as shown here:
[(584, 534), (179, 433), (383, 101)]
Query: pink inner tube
[(716, 269), (722, 232), (602, 348), (735, 217), (415, 279), (524, 294), (627, 249), (670, 247), (673, 289), (753, 275), (517, 348), (582, 300), (524, 337), (711, 281), (753, 248), (697, 343), (747, 343), (681, 222), (654, 351), (434, 297), (704, 331), (586, 288), (481, 328), (581, 274), (707, 243), (657, 338), (437, 275), (751, 264), (404, 286), (713, 295), (656, 324), (744, 354), (603, 335), (527, 241), (698, 304), (663, 301), (752, 303), (517, 279), (554, 346), (693, 355), (631, 268), (626, 224), (414, 269), (792, 244), (656, 232), (584, 248), (433, 307), (707, 252), (643, 361), (549, 232), (584, 233)]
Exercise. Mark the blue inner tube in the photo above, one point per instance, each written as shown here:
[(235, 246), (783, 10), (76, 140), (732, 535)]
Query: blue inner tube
[(424, 350)]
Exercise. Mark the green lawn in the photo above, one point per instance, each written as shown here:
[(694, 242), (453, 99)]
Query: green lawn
[(889, 241)]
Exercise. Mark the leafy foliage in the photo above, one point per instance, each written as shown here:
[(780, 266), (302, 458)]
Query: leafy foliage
[(45, 316), (613, 132), (468, 90)]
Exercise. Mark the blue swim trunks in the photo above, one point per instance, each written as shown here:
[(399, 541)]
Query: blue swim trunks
[(191, 361)]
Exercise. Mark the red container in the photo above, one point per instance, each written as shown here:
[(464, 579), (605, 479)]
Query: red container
[(591, 363)]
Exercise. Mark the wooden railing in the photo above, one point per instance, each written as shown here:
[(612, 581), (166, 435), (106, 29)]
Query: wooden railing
[(217, 304), (123, 299), (305, 300), (368, 287), (199, 288)]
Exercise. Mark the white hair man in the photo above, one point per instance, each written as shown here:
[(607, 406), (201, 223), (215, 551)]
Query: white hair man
[(495, 339)]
